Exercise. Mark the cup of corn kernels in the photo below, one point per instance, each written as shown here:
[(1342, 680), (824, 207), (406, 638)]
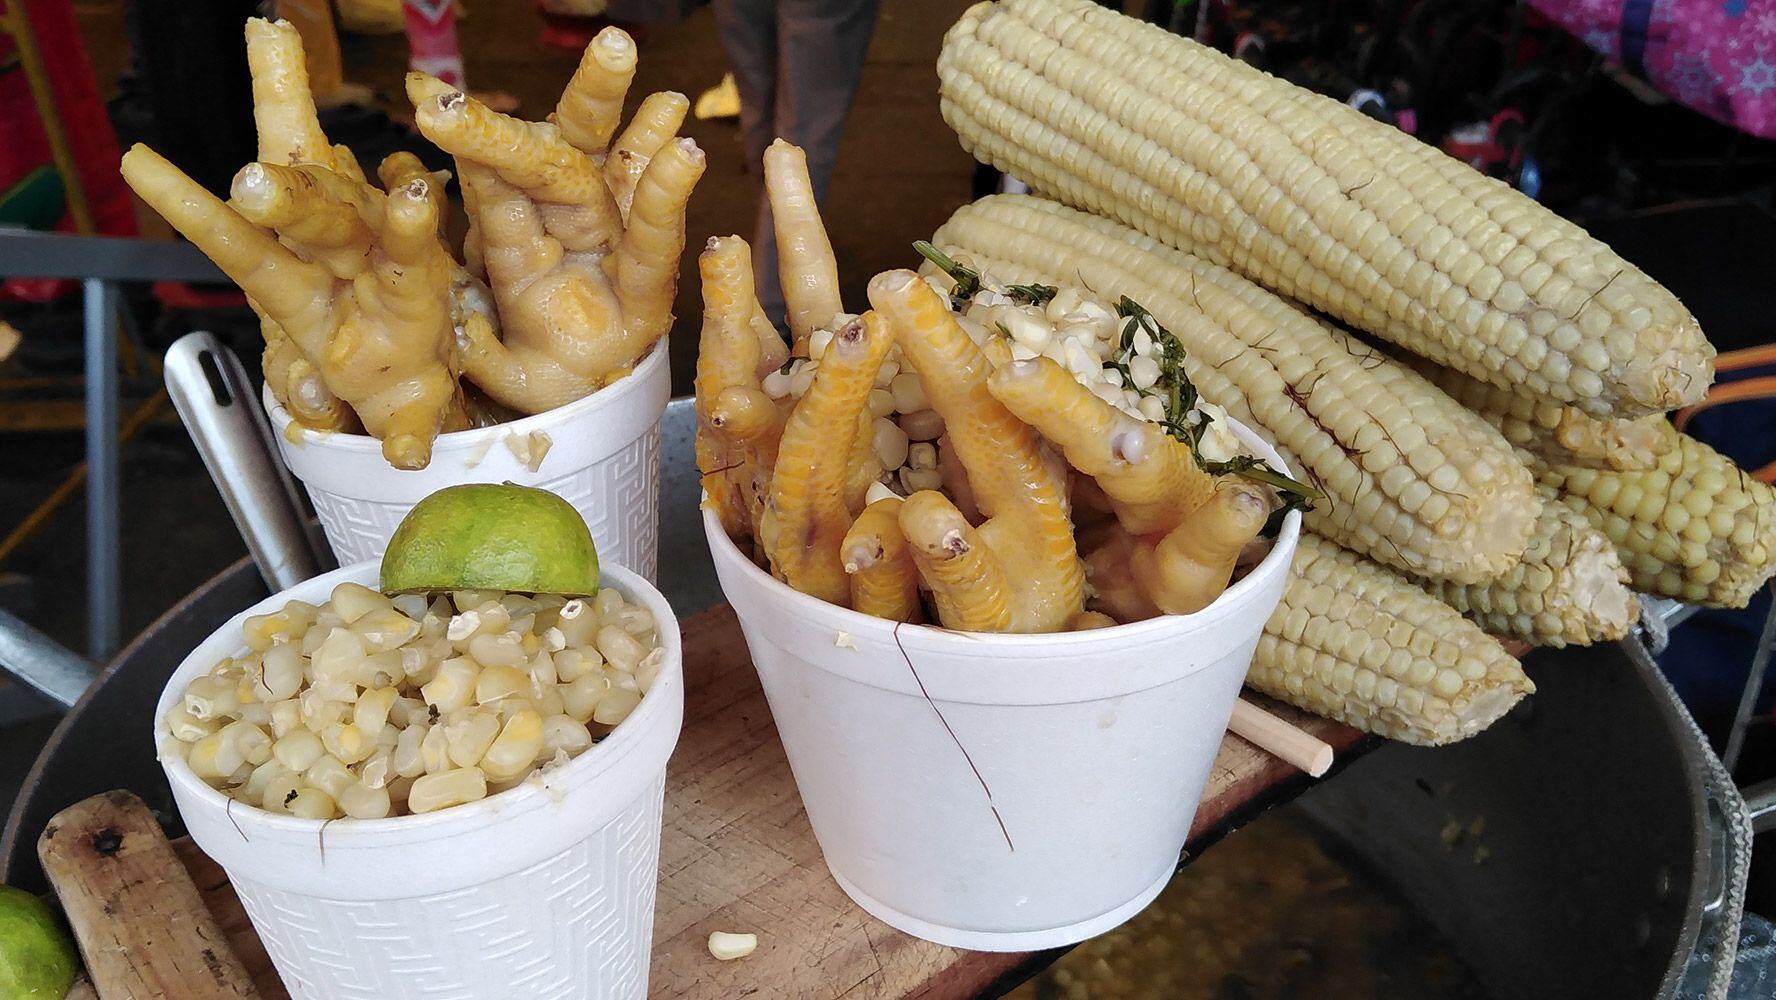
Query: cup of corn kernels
[(370, 706), (437, 768)]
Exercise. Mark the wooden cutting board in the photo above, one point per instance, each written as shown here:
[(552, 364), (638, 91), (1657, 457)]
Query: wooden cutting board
[(737, 854)]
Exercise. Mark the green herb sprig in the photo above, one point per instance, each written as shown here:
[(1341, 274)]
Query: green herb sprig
[(1188, 422), (968, 281), (1031, 295)]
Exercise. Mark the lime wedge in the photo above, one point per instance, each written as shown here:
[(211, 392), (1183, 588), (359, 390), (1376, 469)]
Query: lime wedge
[(37, 960), (487, 537)]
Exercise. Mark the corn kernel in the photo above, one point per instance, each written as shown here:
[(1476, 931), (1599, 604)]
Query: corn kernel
[(313, 803), (187, 727), (329, 775), (922, 425), (449, 788), (407, 760), (620, 649), (516, 747), (359, 800), (454, 686), (615, 706), (468, 736), (385, 629), (498, 682), (299, 750), (648, 670), (564, 734), (502, 650), (208, 698), (580, 698), (434, 751), (726, 947), (351, 601)]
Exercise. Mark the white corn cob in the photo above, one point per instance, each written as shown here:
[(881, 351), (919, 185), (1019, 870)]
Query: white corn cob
[(1316, 200), (1354, 642), (1412, 479), (1695, 527), (1570, 588), (1557, 433)]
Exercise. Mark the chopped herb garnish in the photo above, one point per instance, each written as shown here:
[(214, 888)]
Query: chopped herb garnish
[(788, 363), (1031, 295), (1187, 422), (967, 279)]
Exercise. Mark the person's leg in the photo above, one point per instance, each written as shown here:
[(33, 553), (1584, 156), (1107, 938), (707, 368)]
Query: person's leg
[(192, 70), (748, 31), (749, 35), (824, 44)]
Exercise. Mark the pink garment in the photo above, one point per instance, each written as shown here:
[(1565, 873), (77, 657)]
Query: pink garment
[(1716, 56)]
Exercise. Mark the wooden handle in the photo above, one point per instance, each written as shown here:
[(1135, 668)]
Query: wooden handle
[(141, 925), (1279, 739)]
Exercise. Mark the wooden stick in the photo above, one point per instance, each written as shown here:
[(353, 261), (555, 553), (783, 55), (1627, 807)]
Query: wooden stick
[(1280, 739), (141, 925)]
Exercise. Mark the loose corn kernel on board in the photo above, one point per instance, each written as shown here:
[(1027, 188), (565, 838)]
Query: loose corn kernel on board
[(738, 855)]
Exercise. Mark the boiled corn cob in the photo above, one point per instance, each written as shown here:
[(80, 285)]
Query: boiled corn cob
[(1356, 643), (1695, 527), (1412, 479), (1560, 434), (1316, 200), (1570, 588)]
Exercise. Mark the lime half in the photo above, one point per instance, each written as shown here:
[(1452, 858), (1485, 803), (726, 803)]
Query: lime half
[(37, 960), (488, 537)]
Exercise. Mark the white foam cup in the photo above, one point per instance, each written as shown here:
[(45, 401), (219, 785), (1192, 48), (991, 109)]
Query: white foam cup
[(603, 457), (1001, 792), (545, 890)]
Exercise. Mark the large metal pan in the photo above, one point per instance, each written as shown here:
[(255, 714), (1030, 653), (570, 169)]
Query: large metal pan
[(1573, 850)]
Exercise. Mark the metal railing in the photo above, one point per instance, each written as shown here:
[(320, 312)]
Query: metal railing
[(101, 264)]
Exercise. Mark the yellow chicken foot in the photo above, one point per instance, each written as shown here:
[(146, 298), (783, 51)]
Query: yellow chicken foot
[(1151, 478), (533, 157), (315, 212), (283, 107), (1191, 565), (807, 491), (655, 124), (592, 102), (967, 585), (298, 387), (644, 268), (805, 263), (1021, 490), (884, 580)]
